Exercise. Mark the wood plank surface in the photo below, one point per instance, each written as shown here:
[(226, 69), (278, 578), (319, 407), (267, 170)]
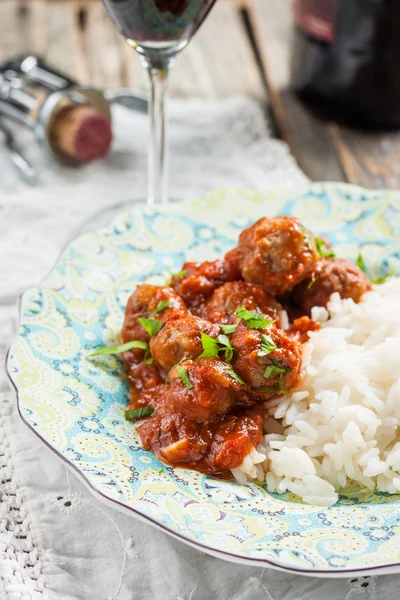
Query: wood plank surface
[(325, 151), (370, 159), (310, 140)]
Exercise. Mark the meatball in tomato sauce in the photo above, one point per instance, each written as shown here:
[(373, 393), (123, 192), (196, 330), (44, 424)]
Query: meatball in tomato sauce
[(145, 301), (268, 360), (331, 275), (200, 279), (180, 338), (202, 389), (225, 301), (277, 253)]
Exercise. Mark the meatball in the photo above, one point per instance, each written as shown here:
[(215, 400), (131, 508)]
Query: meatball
[(201, 390), (269, 365), (229, 297), (277, 253), (202, 278), (142, 303), (232, 265), (180, 338), (331, 275)]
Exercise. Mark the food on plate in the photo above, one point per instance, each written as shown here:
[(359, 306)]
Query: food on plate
[(267, 359), (341, 426), (179, 339), (269, 365), (331, 275), (277, 253), (223, 304), (197, 280), (150, 302)]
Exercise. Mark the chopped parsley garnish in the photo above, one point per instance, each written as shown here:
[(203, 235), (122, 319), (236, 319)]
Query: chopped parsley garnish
[(311, 283), (362, 266), (383, 279), (278, 368), (176, 274), (226, 349), (360, 263), (273, 370), (252, 319), (323, 249), (184, 377), (227, 329), (122, 348), (138, 413), (160, 306), (234, 375), (161, 470), (152, 326), (267, 345), (309, 238), (210, 346)]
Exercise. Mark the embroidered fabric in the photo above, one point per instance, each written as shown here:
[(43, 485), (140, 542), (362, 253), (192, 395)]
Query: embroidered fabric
[(57, 541)]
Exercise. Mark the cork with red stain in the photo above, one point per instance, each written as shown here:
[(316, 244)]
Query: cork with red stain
[(82, 133)]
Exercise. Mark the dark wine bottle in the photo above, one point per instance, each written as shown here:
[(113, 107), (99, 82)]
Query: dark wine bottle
[(346, 60)]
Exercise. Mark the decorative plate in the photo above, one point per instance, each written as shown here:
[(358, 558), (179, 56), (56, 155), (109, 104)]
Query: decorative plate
[(76, 406)]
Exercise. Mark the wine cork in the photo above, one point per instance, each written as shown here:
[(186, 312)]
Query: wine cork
[(81, 132)]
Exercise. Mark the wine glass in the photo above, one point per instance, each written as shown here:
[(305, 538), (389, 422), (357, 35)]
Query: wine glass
[(158, 30)]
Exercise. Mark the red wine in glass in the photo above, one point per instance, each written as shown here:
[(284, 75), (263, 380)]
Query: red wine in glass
[(158, 27), (158, 30)]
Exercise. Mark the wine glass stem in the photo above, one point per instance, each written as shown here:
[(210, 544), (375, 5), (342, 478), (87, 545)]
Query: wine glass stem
[(157, 183)]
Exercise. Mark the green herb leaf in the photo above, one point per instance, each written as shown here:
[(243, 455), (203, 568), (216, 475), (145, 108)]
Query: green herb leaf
[(138, 413), (226, 349), (311, 283), (360, 263), (149, 360), (152, 326), (161, 470), (234, 375), (160, 306), (323, 250), (252, 319), (182, 374), (122, 348), (309, 238), (228, 328), (383, 279), (210, 346), (273, 370), (278, 368), (267, 345), (177, 273)]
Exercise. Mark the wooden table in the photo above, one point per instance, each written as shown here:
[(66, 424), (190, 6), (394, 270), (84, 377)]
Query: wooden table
[(243, 48)]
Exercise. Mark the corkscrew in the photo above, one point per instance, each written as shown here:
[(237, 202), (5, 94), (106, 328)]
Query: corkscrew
[(71, 122)]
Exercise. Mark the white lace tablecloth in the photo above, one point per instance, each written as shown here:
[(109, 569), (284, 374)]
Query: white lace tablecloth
[(57, 541)]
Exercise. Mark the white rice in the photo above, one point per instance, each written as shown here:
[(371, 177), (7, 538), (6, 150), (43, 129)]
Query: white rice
[(342, 424)]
